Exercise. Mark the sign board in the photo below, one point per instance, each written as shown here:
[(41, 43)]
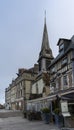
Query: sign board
[(64, 106), (64, 109)]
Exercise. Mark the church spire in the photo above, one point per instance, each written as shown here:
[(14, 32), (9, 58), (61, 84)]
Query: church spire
[(45, 17), (45, 55), (45, 41)]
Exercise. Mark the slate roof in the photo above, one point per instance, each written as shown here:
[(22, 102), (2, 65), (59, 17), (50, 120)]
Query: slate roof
[(63, 53)]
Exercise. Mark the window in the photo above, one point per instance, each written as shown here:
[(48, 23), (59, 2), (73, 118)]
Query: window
[(61, 47), (39, 66), (59, 83), (64, 61), (20, 92), (65, 80), (53, 70), (20, 83), (70, 79)]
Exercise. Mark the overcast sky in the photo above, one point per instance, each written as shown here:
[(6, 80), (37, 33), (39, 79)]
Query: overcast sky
[(21, 30)]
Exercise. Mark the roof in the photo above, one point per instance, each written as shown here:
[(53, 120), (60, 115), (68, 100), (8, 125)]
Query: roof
[(63, 53), (45, 48), (61, 40)]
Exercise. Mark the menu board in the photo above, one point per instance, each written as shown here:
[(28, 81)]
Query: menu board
[(64, 109), (64, 106)]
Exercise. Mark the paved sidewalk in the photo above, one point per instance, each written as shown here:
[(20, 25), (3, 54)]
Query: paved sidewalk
[(13, 120), (19, 123)]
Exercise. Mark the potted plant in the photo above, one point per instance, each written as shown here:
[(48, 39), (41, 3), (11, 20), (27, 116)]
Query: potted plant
[(24, 114), (56, 115), (46, 115)]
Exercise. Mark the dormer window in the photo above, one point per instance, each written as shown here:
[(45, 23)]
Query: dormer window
[(63, 44), (61, 47), (64, 61)]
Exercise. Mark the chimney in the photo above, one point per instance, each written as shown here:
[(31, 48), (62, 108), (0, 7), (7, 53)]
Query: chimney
[(20, 71)]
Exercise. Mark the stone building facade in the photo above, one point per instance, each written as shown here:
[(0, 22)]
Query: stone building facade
[(8, 97), (19, 90)]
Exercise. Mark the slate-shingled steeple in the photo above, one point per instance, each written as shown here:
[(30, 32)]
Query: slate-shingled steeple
[(45, 55)]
